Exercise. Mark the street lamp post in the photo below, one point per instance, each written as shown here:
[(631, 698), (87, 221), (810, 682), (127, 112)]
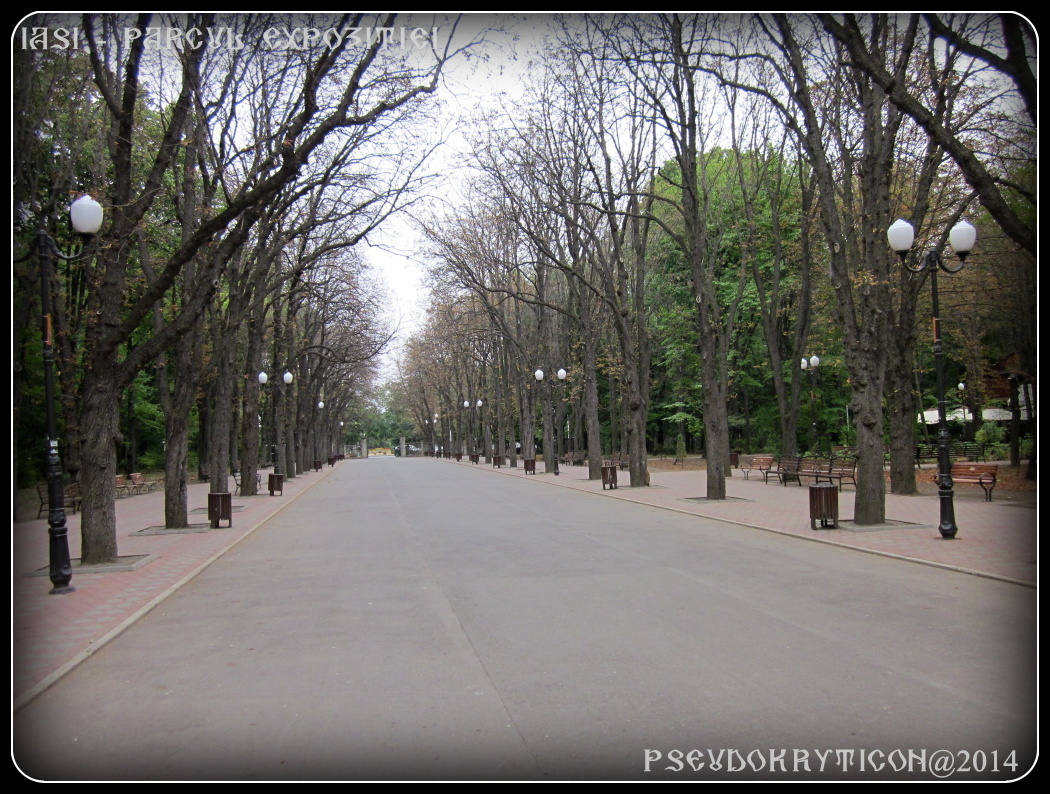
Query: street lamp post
[(967, 424), (318, 424), (901, 237), (810, 365), (464, 423), (550, 394), (85, 214), (287, 379), (473, 421)]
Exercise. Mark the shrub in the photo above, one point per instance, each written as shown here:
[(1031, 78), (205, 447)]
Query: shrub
[(990, 433)]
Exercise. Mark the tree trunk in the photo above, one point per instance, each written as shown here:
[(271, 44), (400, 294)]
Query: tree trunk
[(221, 416), (635, 426), (100, 420), (250, 418), (176, 470), (590, 407), (177, 404), (716, 425), (903, 409), (870, 502)]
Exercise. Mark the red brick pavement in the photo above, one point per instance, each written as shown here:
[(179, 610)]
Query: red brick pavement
[(996, 539)]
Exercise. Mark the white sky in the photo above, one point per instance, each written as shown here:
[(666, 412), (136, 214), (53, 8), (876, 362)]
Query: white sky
[(500, 66)]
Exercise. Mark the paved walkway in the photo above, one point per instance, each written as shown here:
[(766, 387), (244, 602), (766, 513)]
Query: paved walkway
[(53, 633)]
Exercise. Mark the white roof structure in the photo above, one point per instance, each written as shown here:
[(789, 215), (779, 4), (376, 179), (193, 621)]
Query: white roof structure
[(930, 417)]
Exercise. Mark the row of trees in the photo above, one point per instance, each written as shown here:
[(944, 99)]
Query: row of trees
[(682, 207), (237, 177)]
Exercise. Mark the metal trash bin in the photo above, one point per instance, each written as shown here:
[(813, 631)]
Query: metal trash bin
[(220, 508), (608, 475), (276, 483), (824, 505), (530, 465)]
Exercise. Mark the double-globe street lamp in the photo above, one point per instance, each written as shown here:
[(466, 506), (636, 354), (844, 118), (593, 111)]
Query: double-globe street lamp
[(474, 428), (317, 436), (810, 365), (85, 214), (550, 386), (287, 379), (901, 237), (970, 422)]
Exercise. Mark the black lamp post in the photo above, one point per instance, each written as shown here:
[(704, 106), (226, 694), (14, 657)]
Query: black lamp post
[(475, 419), (318, 424), (86, 216), (901, 236), (810, 365), (467, 422), (968, 424), (438, 433), (550, 392), (287, 379)]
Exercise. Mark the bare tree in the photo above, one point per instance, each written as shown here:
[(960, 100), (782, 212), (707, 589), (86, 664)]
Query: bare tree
[(336, 88), (1005, 45), (850, 135)]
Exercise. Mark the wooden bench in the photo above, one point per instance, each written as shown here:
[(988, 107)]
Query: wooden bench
[(971, 450), (759, 463), (983, 474), (237, 482), (141, 484), (842, 471), (41, 491), (123, 486), (71, 497), (815, 468), (787, 469)]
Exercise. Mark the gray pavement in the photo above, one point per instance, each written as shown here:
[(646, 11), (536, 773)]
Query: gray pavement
[(421, 619)]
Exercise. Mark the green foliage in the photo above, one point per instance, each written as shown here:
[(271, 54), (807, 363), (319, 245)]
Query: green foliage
[(152, 460), (1026, 446), (990, 433)]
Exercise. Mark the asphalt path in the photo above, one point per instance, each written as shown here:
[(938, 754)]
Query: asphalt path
[(422, 620)]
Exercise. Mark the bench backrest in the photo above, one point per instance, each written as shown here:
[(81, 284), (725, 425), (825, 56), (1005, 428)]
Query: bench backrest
[(789, 464), (761, 461), (974, 468)]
